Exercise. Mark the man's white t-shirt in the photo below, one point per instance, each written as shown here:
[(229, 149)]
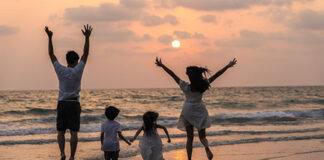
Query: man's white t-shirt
[(111, 141), (69, 80)]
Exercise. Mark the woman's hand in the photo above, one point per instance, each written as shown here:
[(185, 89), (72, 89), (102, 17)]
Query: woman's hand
[(48, 32), (158, 62), (232, 63)]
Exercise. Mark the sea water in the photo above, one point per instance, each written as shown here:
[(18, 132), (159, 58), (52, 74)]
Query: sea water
[(238, 114)]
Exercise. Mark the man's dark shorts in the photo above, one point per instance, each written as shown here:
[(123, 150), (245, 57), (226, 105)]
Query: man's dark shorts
[(68, 116)]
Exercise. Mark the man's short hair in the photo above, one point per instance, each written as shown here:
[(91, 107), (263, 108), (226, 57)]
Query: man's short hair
[(71, 57), (111, 112)]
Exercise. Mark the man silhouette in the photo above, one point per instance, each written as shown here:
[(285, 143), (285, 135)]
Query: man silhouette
[(68, 107)]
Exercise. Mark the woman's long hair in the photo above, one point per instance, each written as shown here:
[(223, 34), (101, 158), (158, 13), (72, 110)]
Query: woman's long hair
[(197, 77), (149, 119)]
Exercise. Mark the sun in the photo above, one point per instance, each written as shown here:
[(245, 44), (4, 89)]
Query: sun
[(176, 44)]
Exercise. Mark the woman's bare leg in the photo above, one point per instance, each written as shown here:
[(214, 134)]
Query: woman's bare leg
[(190, 137), (204, 141)]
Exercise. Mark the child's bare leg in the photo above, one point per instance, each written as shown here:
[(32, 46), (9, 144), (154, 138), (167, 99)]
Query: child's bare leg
[(204, 141), (190, 137), (61, 143), (115, 155), (73, 143), (106, 156)]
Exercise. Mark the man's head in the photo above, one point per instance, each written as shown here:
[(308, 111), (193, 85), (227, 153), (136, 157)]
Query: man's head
[(72, 58)]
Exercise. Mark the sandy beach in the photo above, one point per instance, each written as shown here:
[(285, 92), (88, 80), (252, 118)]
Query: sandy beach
[(286, 150), (291, 150)]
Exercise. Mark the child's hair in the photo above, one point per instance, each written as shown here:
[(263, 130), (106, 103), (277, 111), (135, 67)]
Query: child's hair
[(197, 77), (111, 112), (149, 119)]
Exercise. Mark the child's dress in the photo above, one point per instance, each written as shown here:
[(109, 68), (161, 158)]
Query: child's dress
[(194, 111), (151, 146)]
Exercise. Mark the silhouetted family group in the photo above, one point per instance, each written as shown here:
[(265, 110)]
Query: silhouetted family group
[(193, 115)]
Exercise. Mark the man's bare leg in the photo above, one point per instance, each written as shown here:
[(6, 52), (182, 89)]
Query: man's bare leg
[(73, 143), (61, 143)]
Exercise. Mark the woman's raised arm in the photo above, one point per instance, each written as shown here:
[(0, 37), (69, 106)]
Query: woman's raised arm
[(159, 63), (220, 72)]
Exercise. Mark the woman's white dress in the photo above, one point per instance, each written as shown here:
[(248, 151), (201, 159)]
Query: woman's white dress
[(151, 146), (194, 111)]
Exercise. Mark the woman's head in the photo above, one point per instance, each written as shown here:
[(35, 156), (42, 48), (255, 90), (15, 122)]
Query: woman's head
[(149, 119), (197, 77), (111, 112)]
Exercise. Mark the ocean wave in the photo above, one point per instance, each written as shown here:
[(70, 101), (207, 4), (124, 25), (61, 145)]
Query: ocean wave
[(255, 118), (30, 111), (22, 131), (268, 116), (38, 111)]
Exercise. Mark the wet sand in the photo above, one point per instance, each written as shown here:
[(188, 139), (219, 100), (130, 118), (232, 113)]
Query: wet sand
[(283, 150), (287, 150)]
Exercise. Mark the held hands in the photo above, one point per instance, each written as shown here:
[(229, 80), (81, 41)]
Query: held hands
[(158, 62), (129, 143), (87, 30), (132, 140), (48, 32), (232, 63)]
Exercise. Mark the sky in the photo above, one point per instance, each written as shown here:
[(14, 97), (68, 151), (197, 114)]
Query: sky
[(276, 42)]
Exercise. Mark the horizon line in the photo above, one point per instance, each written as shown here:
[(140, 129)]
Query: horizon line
[(261, 86)]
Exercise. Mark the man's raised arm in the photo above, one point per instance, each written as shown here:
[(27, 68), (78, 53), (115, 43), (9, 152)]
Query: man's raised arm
[(86, 32), (50, 45)]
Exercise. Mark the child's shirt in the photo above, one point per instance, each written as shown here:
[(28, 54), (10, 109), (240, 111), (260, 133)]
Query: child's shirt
[(111, 129)]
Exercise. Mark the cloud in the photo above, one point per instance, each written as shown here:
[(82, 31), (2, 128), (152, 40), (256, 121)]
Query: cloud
[(198, 36), (165, 39), (182, 34), (145, 37), (188, 35), (171, 19), (137, 4), (169, 49), (204, 43), (127, 51), (107, 12), (7, 30), (221, 5), (308, 19), (208, 18), (153, 20), (120, 35), (253, 39)]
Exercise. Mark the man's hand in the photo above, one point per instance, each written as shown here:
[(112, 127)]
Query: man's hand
[(232, 63), (48, 32), (87, 30), (158, 62)]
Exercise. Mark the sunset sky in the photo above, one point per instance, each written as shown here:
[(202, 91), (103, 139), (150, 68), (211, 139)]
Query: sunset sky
[(276, 42)]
